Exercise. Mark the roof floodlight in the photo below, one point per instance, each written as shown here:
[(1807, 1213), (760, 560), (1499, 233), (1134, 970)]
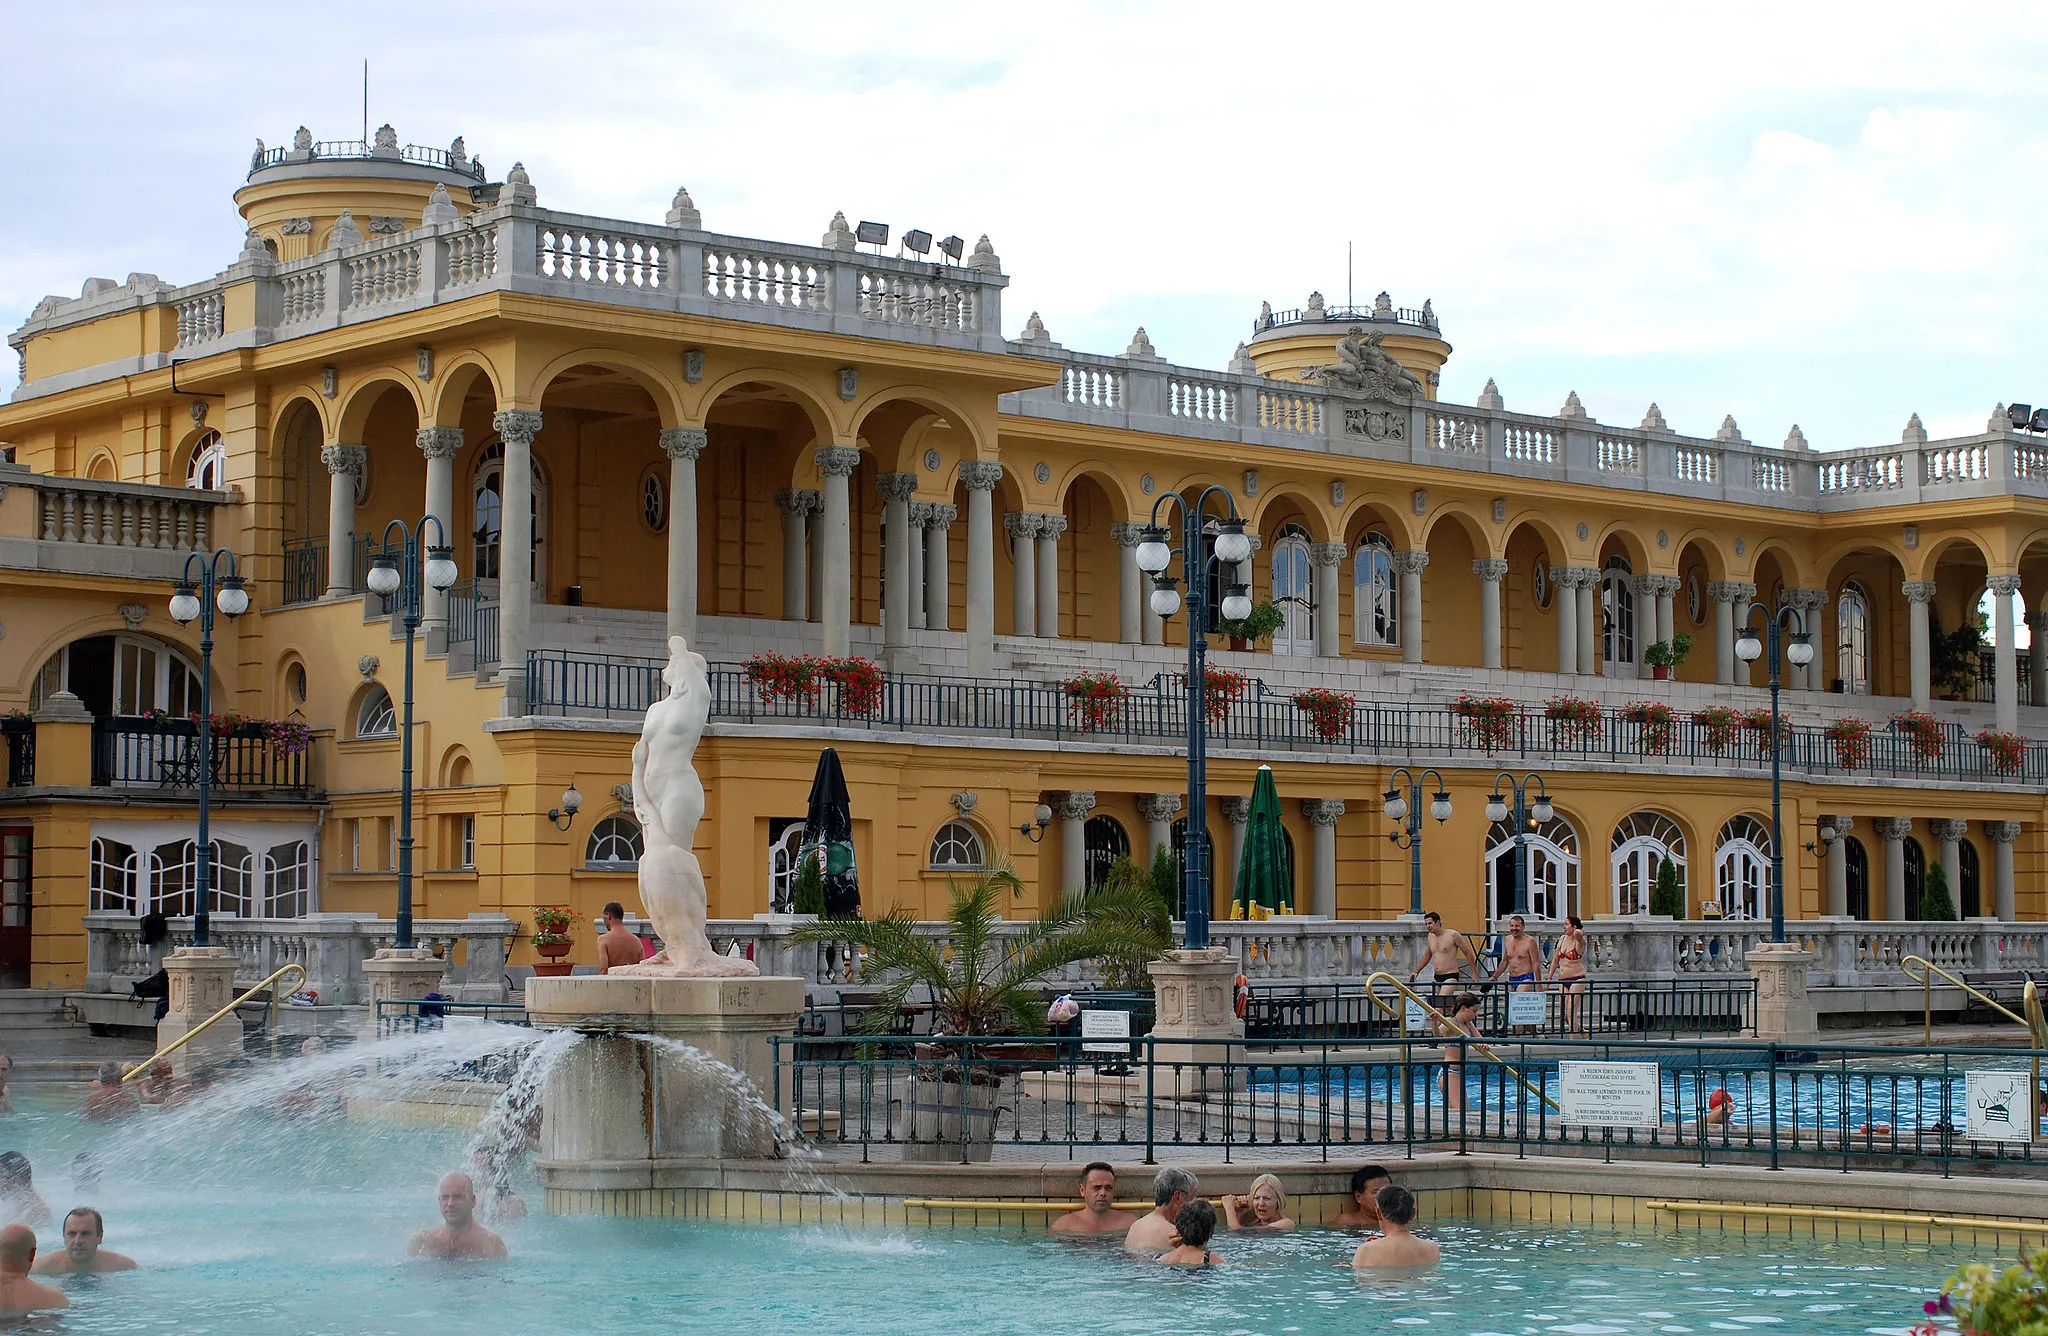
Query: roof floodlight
[(2019, 415), (872, 234), (916, 242), (951, 248)]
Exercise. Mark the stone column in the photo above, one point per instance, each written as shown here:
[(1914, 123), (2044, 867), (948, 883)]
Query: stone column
[(1644, 590), (1664, 587), (1322, 814), (835, 537), (2005, 654), (345, 463), (1022, 527), (1919, 654), (920, 516), (440, 446), (516, 427), (202, 980), (1589, 623), (1784, 1010), (400, 976), (2037, 658), (1894, 829), (1727, 594), (1408, 565), (682, 445), (938, 569), (1838, 864), (979, 477), (896, 490), (796, 504), (1130, 604), (1491, 571), (1951, 832), (814, 575), (1050, 527), (1564, 597), (1326, 559), (1159, 810), (2002, 834), (1072, 808), (1808, 602), (1238, 812)]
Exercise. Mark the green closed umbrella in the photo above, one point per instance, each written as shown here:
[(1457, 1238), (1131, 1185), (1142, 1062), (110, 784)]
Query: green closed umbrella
[(1265, 875)]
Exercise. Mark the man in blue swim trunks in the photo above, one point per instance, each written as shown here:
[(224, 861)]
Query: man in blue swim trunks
[(1521, 958)]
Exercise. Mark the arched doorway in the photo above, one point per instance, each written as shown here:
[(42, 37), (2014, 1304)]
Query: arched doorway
[(1916, 875), (1852, 640), (1858, 877), (1969, 895), (1552, 850), (1742, 868), (1293, 594), (1617, 619), (1641, 844), (487, 494), (1106, 841), (1376, 607), (121, 674)]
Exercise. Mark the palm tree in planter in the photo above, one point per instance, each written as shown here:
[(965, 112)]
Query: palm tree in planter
[(985, 984)]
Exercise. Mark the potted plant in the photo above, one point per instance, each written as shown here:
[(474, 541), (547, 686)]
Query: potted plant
[(1573, 722), (552, 940), (983, 986), (1924, 734), (1221, 691), (1955, 659), (1096, 700), (1489, 720), (1851, 738), (1718, 725), (1329, 712), (1260, 623), (787, 677), (2007, 752), (1654, 722), (1665, 655)]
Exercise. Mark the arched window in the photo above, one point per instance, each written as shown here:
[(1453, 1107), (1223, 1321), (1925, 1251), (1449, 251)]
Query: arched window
[(120, 675), (1618, 619), (1106, 842), (1553, 870), (374, 717), (236, 880), (113, 877), (783, 846), (288, 880), (1852, 639), (1916, 875), (1970, 895), (614, 843), (1293, 586), (1641, 842), (958, 845), (654, 501), (1742, 868), (1376, 598), (208, 467), (488, 515), (1858, 877), (174, 878)]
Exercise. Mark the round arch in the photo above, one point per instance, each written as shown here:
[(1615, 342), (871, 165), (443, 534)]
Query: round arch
[(1464, 518), (651, 380), (1798, 572), (1368, 513), (1556, 551), (1290, 502), (1113, 488), (1553, 851), (1620, 535), (957, 844), (102, 468), (933, 403), (171, 635), (456, 769), (1641, 842), (1927, 559), (456, 380), (292, 687), (362, 396), (1706, 546), (824, 427)]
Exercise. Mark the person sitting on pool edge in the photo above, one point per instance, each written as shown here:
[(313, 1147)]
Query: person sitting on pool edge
[(1364, 1211), (1098, 1213), (459, 1236), (1154, 1230), (20, 1296), (84, 1230), (1265, 1208), (1396, 1246), (1195, 1225), (108, 1100)]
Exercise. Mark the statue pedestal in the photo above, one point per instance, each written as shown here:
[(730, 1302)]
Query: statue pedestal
[(1784, 1011), (202, 982), (1196, 1001), (619, 1108), (396, 975)]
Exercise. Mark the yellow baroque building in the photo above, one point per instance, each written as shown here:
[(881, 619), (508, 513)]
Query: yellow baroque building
[(635, 430)]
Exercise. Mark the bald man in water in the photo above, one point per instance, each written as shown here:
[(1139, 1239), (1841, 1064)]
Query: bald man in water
[(460, 1236), (20, 1296)]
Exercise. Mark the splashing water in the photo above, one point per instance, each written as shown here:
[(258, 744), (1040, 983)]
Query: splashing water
[(743, 1101)]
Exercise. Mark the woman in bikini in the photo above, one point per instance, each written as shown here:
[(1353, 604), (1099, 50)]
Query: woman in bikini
[(1568, 967), (1196, 1225)]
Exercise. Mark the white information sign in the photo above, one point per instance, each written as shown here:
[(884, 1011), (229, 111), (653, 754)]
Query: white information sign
[(1998, 1107), (1418, 1017), (1096, 1025), (1608, 1094), (1528, 1008)]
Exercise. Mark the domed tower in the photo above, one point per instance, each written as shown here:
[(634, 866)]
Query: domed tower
[(297, 196), (1285, 342)]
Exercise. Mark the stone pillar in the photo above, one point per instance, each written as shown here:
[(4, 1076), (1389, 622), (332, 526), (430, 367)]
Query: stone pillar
[(1130, 604), (516, 427), (1322, 814), (1784, 1010), (1727, 594), (440, 446), (2002, 834), (1238, 812), (1491, 571), (1919, 654), (896, 490), (1072, 809), (2037, 658), (1894, 830), (1159, 810), (345, 463), (920, 515), (682, 445), (1326, 559), (1838, 865), (202, 982), (1050, 527), (938, 570), (396, 975), (2005, 654), (1664, 588), (1408, 565), (796, 505), (1195, 1002), (1644, 590), (1022, 526), (835, 537), (1588, 593), (1564, 597), (1808, 602), (979, 477)]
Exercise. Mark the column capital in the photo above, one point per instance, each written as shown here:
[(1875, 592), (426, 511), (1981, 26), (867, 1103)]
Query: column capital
[(2002, 832), (1237, 811), (684, 442), (1021, 524), (1327, 554), (1126, 534), (1948, 828), (1409, 563), (980, 475), (1893, 827), (1842, 824), (1074, 804), (936, 514), (1161, 806), (1731, 591), (795, 501), (439, 442), (1575, 577), (345, 459), (836, 461), (1490, 569), (517, 424), (1806, 600), (2004, 586), (1643, 586), (1918, 591), (1322, 811), (896, 486), (1050, 527), (1660, 586)]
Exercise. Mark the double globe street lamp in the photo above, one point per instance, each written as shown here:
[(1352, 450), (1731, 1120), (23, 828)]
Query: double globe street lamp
[(1200, 554), (1525, 811), (195, 599), (1406, 813), (1798, 652)]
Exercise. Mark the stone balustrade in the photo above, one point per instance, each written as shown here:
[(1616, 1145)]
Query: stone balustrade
[(87, 527)]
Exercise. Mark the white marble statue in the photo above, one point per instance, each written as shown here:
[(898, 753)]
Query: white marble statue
[(668, 802)]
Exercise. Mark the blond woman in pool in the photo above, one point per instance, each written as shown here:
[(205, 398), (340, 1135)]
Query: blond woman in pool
[(1265, 1207)]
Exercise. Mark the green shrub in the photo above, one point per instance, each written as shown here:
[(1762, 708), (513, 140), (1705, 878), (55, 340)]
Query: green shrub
[(1667, 896), (1166, 879), (1936, 904), (808, 895)]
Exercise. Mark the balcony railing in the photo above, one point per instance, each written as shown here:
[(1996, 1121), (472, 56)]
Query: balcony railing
[(20, 736), (145, 752)]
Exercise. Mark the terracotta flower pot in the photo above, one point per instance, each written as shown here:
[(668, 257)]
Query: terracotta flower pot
[(1660, 672), (552, 969)]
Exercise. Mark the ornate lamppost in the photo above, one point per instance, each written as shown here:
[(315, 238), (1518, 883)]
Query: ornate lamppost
[(1799, 653), (1406, 812), (1525, 810), (196, 599)]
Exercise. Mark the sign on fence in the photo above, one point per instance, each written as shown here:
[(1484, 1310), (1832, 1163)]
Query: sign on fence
[(1101, 1025), (1418, 1017), (1608, 1094), (1528, 1008), (1998, 1106)]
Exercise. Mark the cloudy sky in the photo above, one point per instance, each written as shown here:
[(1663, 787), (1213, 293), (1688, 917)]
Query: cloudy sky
[(1764, 211)]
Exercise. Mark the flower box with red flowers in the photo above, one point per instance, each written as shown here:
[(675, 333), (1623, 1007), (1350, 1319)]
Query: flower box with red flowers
[(1924, 734), (2007, 752), (1095, 701), (1851, 739), (1573, 722), (1489, 720), (1329, 712), (1654, 721)]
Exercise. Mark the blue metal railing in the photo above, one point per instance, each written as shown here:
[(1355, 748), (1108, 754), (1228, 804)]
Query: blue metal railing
[(305, 571)]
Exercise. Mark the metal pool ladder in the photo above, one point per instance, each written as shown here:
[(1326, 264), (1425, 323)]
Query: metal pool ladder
[(225, 1011)]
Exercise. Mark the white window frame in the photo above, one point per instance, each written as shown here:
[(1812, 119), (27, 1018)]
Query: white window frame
[(1617, 619), (207, 470), (1293, 585), (1554, 880), (1852, 639), (1641, 841), (617, 831), (1376, 595), (962, 835), (369, 713), (1742, 868)]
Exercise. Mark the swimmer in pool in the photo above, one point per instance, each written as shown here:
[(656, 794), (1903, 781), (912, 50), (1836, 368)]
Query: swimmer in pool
[(84, 1229), (1396, 1246), (108, 1100), (1265, 1208), (459, 1236), (1364, 1211), (1154, 1230), (1098, 1213), (19, 1200), (1196, 1225), (20, 1296)]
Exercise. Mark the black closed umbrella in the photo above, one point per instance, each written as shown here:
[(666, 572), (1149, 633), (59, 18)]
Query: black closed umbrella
[(828, 836)]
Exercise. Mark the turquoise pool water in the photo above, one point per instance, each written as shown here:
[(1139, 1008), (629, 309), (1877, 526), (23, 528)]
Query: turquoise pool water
[(250, 1221)]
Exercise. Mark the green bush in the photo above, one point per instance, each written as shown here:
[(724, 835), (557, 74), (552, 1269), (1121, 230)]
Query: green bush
[(1667, 896), (808, 895), (1166, 879), (1936, 904), (1127, 883)]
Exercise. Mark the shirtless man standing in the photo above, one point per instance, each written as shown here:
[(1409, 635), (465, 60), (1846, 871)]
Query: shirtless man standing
[(460, 1237), (1396, 1246), (616, 946), (1156, 1230), (84, 1228), (1445, 953), (1521, 959), (1098, 1213), (20, 1296)]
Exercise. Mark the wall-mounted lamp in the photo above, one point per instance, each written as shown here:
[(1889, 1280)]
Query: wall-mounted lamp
[(1827, 836), (1034, 830), (572, 801)]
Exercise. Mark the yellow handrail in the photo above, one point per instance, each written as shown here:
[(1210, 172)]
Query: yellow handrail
[(1837, 1213), (1928, 969), (1477, 1047), (200, 1028)]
